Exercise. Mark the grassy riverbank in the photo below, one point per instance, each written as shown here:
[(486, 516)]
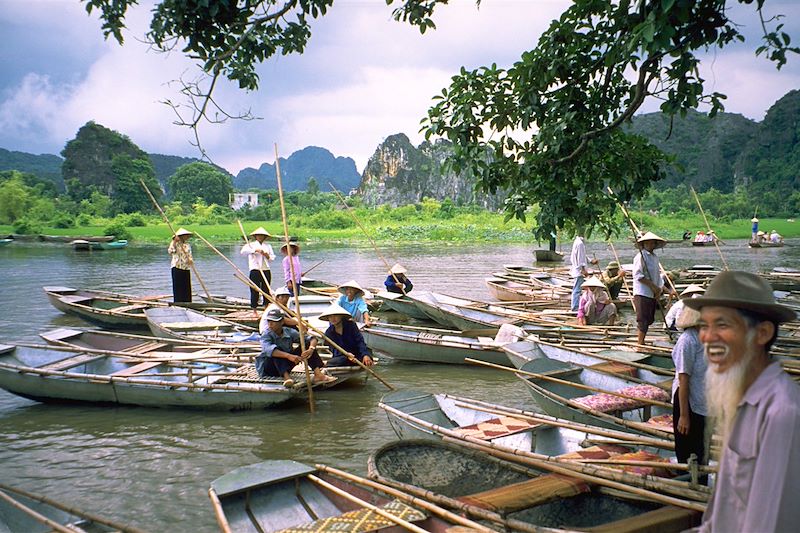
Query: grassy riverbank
[(483, 227)]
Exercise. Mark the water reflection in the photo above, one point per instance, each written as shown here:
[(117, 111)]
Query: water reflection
[(152, 467)]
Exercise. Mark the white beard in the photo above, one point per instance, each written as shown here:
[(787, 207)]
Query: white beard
[(725, 390)]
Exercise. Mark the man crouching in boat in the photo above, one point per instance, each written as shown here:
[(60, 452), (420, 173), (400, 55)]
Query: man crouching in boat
[(344, 332), (755, 404), (278, 354)]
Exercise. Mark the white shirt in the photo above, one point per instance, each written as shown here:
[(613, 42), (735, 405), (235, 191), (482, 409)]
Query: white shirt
[(645, 265), (578, 257), (255, 260)]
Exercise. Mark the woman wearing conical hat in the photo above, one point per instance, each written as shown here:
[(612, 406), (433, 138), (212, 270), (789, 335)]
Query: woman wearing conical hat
[(259, 253), (396, 281), (292, 263), (595, 306), (181, 261), (344, 332), (352, 300)]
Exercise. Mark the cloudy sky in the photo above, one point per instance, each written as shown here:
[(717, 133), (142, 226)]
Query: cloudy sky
[(363, 77)]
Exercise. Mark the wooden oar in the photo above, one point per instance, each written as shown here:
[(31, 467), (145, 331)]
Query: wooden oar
[(295, 284), (313, 267), (406, 498), (244, 279), (169, 225), (708, 227), (364, 230), (570, 383)]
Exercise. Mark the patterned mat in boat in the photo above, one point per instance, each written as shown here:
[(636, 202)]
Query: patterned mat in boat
[(359, 521)]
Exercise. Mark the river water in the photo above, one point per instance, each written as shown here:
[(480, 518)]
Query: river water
[(152, 467)]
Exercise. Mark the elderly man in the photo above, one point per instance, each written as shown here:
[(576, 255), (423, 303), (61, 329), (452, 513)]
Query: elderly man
[(755, 404), (279, 355), (613, 277)]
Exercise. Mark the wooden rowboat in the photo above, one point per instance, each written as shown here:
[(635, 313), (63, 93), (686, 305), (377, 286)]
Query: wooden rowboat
[(402, 304), (427, 345), (460, 313), (615, 402), (649, 368), (113, 245), (106, 309), (188, 324), (6, 242), (287, 495), (765, 244), (59, 375), (68, 238), (548, 256), (510, 495), (25, 511)]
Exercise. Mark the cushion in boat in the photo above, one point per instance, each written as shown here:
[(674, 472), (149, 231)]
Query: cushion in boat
[(535, 491), (662, 422), (608, 402), (495, 428)]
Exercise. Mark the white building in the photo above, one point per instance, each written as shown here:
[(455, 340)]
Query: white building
[(239, 199)]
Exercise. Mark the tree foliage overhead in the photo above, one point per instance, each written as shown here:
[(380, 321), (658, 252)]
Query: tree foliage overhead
[(200, 180), (547, 128), (551, 121)]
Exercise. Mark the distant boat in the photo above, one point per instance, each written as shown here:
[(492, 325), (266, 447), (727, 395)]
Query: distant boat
[(765, 244), (113, 245), (548, 256), (81, 245), (4, 242), (70, 238)]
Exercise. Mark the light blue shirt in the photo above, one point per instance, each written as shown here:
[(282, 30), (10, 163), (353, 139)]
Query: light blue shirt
[(356, 307), (689, 358)]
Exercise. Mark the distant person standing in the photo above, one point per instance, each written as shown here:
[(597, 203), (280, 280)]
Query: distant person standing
[(292, 262), (181, 252), (259, 254), (579, 267), (754, 238)]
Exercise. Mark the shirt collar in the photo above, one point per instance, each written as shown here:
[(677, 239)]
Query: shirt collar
[(762, 385)]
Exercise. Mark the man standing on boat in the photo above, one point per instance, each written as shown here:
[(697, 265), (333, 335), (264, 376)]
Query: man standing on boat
[(259, 254), (579, 267), (754, 220), (647, 282), (755, 404), (181, 252)]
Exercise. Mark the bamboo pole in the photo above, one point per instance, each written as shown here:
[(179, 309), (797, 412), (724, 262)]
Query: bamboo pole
[(169, 225), (708, 226), (635, 484), (635, 364), (569, 383), (639, 440), (222, 520), (67, 509), (313, 267), (654, 464), (366, 505), (364, 230), (295, 283), (624, 278), (285, 309), (406, 498)]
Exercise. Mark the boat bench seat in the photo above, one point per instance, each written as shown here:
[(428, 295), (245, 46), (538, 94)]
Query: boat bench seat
[(607, 403), (136, 369), (536, 491), (501, 426), (188, 326), (72, 361), (667, 518), (360, 520), (129, 308), (148, 346), (616, 367)]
